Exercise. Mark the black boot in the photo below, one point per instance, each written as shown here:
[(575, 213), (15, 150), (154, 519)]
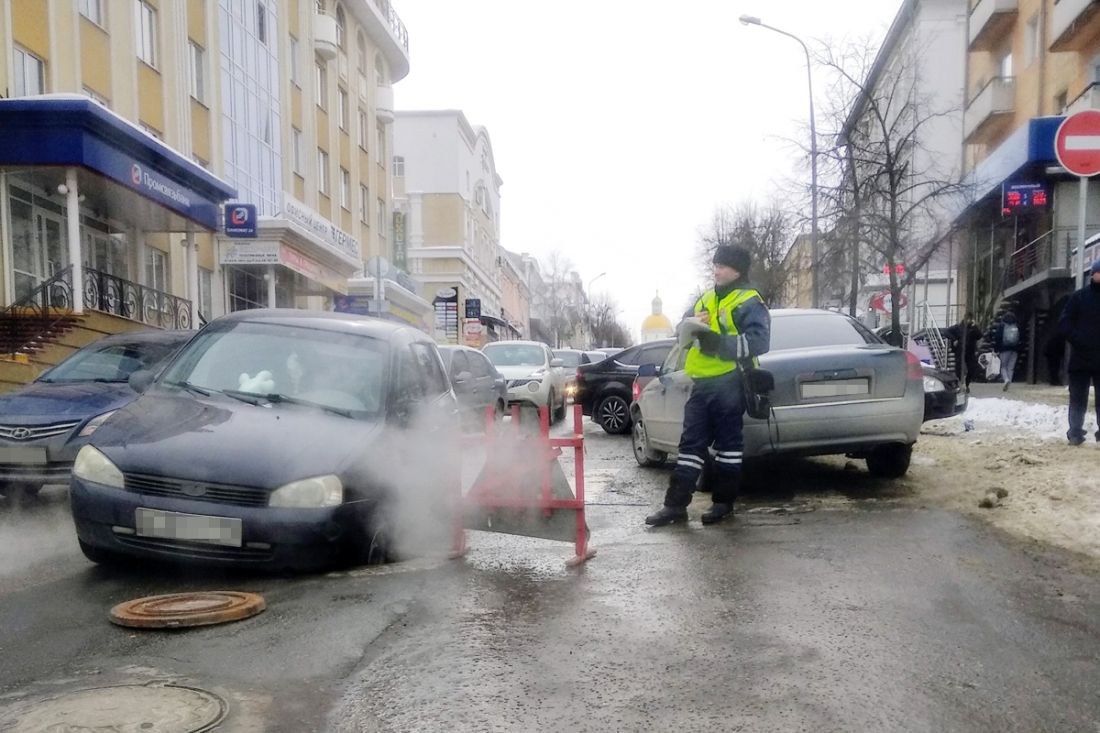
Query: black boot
[(717, 513), (667, 515)]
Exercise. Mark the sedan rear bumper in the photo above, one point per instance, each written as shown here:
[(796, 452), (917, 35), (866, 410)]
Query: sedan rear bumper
[(943, 404)]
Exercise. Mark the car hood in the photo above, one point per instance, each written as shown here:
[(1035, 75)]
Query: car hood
[(222, 440), (518, 372), (45, 402)]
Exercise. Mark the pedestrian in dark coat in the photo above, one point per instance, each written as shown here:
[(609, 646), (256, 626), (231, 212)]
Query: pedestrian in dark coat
[(1081, 326), (965, 336)]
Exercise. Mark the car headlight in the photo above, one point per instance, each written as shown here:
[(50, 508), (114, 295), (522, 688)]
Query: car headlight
[(95, 423), (309, 493), (91, 465), (931, 384)]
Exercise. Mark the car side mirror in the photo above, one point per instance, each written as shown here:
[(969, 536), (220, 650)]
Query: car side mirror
[(141, 379), (556, 363), (649, 370)]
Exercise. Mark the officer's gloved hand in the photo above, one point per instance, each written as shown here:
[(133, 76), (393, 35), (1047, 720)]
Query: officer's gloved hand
[(709, 342)]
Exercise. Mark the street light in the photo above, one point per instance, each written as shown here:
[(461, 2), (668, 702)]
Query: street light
[(589, 290), (814, 254)]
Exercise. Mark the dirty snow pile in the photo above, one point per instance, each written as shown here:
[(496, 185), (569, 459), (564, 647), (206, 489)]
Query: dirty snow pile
[(1002, 415)]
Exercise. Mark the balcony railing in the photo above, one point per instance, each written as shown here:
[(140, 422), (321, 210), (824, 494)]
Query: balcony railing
[(1070, 28), (997, 97), (990, 20), (1045, 257), (1088, 99), (396, 26), (110, 294)]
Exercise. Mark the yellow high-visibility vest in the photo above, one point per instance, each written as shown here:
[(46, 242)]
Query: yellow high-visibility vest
[(699, 364)]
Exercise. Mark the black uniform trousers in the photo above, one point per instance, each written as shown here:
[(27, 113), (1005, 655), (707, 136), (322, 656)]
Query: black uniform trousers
[(714, 414), (1079, 402)]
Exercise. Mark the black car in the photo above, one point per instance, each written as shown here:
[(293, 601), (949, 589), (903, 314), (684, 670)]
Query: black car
[(604, 388), (942, 396), (43, 424), (278, 438), (477, 384)]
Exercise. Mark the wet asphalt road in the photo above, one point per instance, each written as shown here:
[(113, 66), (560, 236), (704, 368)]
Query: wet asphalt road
[(833, 603)]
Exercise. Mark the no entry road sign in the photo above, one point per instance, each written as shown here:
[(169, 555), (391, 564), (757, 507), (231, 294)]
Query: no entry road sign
[(1077, 143)]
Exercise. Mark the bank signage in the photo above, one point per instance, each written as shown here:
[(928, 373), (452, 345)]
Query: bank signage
[(331, 236), (240, 220)]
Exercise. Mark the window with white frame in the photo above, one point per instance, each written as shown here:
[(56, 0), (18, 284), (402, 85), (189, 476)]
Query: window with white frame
[(345, 188), (295, 62), (341, 28), (342, 108), (93, 11), (261, 23), (322, 171), (398, 166), (364, 129), (198, 71), (380, 154), (322, 84), (296, 150), (146, 32), (1034, 40), (156, 269), (364, 204), (29, 72), (381, 219)]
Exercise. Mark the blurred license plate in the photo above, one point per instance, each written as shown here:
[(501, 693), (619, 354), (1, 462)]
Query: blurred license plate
[(191, 527), (23, 454), (835, 388), (960, 399)]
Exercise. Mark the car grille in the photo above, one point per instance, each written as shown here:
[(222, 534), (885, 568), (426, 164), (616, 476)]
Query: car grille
[(196, 490), (46, 473), (23, 433), (196, 550)]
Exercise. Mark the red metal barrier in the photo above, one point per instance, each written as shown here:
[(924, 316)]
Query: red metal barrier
[(503, 488)]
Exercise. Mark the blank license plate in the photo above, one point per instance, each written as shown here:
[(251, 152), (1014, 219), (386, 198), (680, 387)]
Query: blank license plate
[(835, 388), (23, 454), (960, 399), (191, 527)]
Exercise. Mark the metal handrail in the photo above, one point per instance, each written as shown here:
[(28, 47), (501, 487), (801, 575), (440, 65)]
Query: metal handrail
[(111, 294), (48, 304), (394, 20), (993, 80)]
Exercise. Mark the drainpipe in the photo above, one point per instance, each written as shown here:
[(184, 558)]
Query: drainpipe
[(72, 215), (191, 256)]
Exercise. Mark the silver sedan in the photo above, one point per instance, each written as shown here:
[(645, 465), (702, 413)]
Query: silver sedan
[(839, 389)]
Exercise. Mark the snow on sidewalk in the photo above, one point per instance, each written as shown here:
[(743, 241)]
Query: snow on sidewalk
[(1002, 415)]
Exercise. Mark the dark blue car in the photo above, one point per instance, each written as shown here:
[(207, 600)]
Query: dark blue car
[(276, 438), (43, 424)]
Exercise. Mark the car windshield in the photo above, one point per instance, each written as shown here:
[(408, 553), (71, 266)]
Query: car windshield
[(812, 330), (568, 358), (111, 362), (515, 355), (333, 370)]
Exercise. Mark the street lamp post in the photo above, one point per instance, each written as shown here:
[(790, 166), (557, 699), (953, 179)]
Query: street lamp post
[(589, 290), (815, 255)]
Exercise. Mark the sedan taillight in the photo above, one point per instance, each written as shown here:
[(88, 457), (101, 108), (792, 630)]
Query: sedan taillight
[(914, 372), (635, 390)]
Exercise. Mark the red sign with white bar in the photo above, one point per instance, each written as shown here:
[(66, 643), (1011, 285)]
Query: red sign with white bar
[(1077, 143)]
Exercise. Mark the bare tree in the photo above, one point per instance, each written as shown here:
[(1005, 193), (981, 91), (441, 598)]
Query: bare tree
[(603, 321), (766, 233), (886, 192)]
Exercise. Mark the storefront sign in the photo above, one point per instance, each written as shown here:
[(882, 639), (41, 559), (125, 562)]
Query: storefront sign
[(333, 237), (400, 247), (1019, 198), (446, 316), (473, 308), (266, 253), (240, 220)]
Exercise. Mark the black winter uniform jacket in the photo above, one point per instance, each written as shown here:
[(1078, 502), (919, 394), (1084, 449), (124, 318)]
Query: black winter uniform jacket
[(1081, 325)]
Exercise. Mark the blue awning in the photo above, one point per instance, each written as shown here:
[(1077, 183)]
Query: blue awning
[(66, 130), (1030, 145)]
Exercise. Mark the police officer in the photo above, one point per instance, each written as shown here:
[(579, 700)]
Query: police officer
[(739, 329)]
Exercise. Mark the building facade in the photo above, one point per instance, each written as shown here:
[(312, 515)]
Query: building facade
[(451, 205), (1029, 63)]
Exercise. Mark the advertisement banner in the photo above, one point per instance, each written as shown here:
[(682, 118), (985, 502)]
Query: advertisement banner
[(446, 316)]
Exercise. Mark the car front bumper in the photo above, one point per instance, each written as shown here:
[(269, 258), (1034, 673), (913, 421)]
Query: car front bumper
[(41, 462), (105, 519), (943, 404), (522, 394)]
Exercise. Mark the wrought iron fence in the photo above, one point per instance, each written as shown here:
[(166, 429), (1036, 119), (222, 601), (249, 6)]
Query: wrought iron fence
[(394, 20), (36, 313), (110, 294)]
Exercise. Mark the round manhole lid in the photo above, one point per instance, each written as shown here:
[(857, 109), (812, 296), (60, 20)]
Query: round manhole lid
[(180, 610), (126, 708)]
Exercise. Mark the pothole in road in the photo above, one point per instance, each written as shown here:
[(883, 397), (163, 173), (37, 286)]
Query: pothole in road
[(151, 708)]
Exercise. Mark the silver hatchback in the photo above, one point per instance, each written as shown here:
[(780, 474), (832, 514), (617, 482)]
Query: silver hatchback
[(839, 389)]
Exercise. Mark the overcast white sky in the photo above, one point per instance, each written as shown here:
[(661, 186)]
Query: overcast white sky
[(618, 127)]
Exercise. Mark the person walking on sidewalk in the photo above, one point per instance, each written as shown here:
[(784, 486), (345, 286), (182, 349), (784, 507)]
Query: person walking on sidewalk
[(1006, 342), (733, 326), (1080, 325), (965, 336)]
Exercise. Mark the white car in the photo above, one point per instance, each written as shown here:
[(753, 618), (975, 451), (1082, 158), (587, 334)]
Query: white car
[(535, 376)]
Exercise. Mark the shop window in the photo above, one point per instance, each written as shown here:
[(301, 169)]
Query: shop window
[(146, 32), (156, 269), (29, 72)]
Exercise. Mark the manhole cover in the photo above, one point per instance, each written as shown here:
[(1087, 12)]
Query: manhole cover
[(179, 610), (124, 709)]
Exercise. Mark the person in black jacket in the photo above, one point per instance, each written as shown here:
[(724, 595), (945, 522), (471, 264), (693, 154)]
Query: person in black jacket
[(1081, 326), (965, 336)]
